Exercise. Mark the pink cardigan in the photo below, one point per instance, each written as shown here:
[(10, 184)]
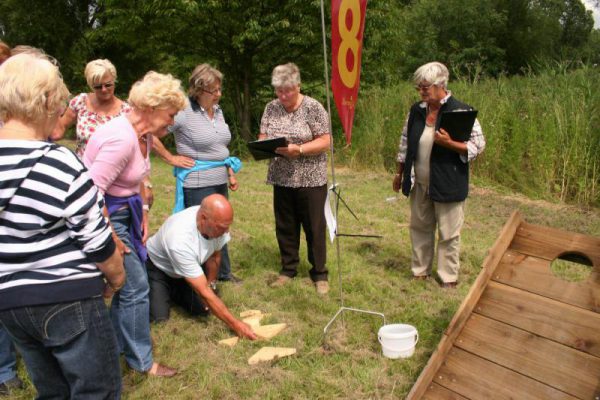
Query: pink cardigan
[(114, 159)]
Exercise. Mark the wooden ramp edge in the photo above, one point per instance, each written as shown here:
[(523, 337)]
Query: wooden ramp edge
[(523, 332), (466, 308)]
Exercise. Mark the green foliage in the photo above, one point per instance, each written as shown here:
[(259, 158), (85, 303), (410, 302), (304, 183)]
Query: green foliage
[(541, 130)]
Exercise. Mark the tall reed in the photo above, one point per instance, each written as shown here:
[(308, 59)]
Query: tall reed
[(542, 131)]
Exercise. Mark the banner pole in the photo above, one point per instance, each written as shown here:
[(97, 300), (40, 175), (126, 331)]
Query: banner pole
[(334, 183), (342, 308)]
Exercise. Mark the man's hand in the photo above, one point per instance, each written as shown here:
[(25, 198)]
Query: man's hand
[(244, 330), (121, 248)]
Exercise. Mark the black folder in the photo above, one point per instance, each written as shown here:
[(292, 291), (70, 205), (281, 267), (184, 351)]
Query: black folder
[(263, 149), (458, 124)]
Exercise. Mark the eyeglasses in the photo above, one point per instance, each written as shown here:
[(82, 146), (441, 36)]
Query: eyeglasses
[(106, 85), (418, 88), (213, 92)]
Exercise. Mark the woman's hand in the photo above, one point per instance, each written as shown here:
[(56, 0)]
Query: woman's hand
[(181, 161), (233, 183), (291, 151), (443, 139), (145, 220), (397, 184), (121, 248)]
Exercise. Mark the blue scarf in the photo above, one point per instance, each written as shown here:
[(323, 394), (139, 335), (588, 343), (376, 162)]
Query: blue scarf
[(134, 203), (181, 173)]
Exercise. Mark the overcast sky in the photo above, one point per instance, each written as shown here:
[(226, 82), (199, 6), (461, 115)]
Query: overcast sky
[(588, 5)]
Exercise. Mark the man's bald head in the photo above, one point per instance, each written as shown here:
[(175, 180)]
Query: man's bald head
[(215, 216)]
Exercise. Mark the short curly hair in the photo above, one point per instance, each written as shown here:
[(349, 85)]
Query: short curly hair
[(285, 75), (157, 90), (203, 76)]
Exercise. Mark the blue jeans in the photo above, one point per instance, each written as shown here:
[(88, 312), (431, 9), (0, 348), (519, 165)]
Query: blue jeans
[(70, 349), (193, 197), (8, 360), (130, 307)]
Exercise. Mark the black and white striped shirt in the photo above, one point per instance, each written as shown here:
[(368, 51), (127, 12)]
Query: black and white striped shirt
[(52, 230)]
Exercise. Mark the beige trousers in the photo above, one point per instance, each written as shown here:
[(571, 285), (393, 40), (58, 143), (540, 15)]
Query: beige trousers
[(425, 214)]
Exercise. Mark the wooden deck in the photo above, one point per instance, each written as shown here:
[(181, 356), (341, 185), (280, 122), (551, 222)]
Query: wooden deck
[(522, 332)]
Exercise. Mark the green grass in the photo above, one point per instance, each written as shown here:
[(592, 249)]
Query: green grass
[(347, 363)]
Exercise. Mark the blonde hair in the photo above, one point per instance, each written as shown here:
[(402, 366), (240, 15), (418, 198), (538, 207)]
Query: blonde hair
[(434, 72), (96, 69), (203, 76), (25, 49), (4, 51), (156, 90), (285, 75), (31, 88)]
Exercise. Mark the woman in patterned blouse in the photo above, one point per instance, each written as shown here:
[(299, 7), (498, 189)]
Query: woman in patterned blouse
[(299, 177), (92, 109)]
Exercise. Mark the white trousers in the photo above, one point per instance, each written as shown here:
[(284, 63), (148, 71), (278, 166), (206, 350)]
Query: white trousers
[(425, 214)]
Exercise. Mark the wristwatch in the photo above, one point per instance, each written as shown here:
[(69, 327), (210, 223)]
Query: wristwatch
[(213, 285)]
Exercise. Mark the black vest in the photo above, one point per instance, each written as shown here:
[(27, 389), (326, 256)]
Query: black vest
[(448, 174)]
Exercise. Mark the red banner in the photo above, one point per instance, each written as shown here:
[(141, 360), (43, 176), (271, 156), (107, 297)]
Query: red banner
[(347, 28)]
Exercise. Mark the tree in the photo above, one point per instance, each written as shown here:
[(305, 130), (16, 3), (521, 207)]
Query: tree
[(245, 40)]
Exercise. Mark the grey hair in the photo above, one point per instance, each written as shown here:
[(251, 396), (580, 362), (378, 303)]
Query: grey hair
[(202, 77), (434, 72), (285, 75)]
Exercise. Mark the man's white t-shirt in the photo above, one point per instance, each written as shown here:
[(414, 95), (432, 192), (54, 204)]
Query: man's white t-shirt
[(178, 249)]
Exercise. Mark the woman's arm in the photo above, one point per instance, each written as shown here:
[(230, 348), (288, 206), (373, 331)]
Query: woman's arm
[(168, 157), (318, 145), (65, 121)]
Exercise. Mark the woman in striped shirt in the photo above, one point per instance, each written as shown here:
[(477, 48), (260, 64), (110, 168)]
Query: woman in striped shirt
[(57, 255)]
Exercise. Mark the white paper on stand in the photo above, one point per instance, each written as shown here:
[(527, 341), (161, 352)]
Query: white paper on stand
[(329, 217)]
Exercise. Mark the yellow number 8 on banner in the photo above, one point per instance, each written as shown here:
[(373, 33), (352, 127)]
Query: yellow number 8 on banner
[(349, 41)]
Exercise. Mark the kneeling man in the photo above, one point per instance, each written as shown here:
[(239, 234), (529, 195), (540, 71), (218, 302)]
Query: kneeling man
[(176, 253)]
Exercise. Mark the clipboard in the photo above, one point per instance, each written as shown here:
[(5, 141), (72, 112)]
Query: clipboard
[(458, 124), (264, 149)]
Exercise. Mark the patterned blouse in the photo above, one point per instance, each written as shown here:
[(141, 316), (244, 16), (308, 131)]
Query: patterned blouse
[(88, 121), (308, 122)]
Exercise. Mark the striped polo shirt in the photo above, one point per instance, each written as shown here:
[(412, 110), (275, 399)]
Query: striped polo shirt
[(52, 231), (198, 137)]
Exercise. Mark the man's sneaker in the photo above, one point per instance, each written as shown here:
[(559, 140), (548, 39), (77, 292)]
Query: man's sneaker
[(281, 280), (7, 387), (322, 287)]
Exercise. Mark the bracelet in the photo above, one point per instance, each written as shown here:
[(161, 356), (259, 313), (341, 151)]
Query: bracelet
[(146, 207), (301, 151)]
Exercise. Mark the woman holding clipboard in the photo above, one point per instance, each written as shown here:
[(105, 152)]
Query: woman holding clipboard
[(433, 171)]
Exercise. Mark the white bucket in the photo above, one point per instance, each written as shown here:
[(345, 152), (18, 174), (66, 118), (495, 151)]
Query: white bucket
[(398, 340)]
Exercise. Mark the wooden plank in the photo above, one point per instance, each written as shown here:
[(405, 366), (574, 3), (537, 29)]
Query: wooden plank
[(489, 265), (232, 341), (549, 243), (476, 378), (270, 353), (269, 331), (568, 370), (437, 392), (563, 323), (534, 275)]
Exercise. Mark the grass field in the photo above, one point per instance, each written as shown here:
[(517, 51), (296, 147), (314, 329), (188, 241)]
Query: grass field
[(347, 363)]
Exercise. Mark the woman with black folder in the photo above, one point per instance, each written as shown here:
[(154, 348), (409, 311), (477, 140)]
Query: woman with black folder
[(433, 170)]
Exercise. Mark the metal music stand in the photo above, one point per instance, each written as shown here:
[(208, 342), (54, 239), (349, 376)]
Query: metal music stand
[(336, 192)]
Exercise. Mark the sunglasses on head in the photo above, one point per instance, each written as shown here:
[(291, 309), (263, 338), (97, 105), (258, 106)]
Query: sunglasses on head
[(107, 85)]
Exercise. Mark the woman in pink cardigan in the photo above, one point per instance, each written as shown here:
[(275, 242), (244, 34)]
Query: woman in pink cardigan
[(117, 157)]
